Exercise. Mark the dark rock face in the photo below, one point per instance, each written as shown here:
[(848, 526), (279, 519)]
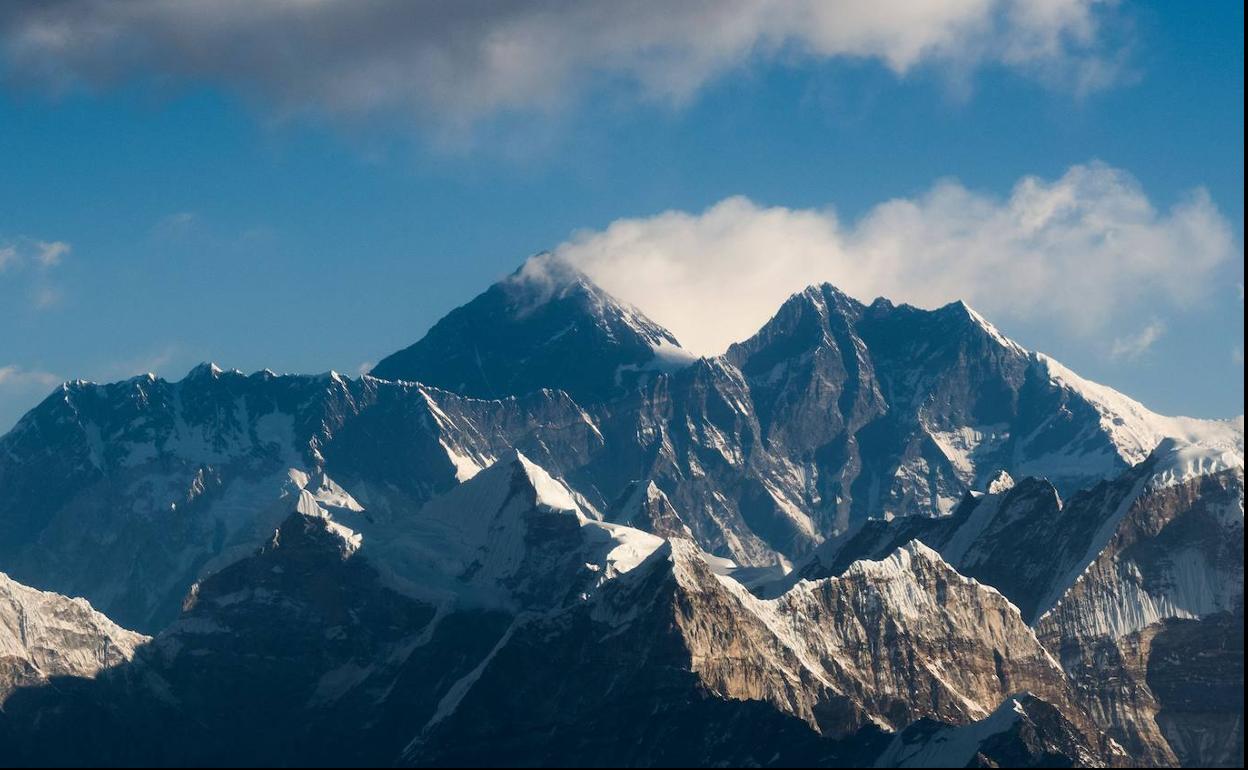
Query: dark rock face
[(619, 689), (673, 640), (301, 654), (1196, 673), (1172, 570), (645, 507), (292, 656), (546, 326)]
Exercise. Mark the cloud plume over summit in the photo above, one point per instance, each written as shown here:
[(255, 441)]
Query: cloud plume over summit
[(1077, 252)]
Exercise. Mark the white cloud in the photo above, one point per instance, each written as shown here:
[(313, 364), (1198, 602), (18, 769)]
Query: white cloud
[(455, 62), (47, 297), (20, 387), (50, 253), (1135, 345), (24, 251), (175, 225), (14, 376), (1077, 252)]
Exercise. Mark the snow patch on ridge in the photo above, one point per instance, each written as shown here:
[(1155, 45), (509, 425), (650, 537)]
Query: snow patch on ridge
[(510, 530), (309, 505), (965, 446), (992, 331), (1179, 462), (953, 746), (551, 493)]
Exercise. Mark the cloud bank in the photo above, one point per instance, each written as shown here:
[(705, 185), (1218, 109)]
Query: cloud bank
[(1078, 253), (457, 61)]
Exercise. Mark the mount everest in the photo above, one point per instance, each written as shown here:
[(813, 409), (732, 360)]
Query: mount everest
[(546, 534)]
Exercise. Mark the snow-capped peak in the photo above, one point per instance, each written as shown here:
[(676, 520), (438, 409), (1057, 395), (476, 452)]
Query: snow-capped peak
[(1000, 482), (512, 535), (205, 369), (899, 562), (550, 492), (308, 505), (991, 330), (545, 326)]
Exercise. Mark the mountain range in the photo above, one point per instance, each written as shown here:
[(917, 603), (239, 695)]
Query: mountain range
[(547, 534)]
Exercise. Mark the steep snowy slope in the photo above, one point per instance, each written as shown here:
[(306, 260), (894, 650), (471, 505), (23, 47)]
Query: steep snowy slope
[(45, 635), (1136, 431), (510, 537)]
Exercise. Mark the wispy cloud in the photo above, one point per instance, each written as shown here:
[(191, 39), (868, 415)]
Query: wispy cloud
[(1135, 345), (23, 251), (47, 297), (155, 362), (50, 253), (175, 225), (31, 262), (14, 376), (1079, 252), (457, 62), (20, 388)]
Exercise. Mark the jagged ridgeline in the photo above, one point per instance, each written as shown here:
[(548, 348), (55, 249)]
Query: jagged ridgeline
[(547, 534)]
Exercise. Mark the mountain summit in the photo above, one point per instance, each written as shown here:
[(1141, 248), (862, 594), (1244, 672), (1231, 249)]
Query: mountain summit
[(546, 325)]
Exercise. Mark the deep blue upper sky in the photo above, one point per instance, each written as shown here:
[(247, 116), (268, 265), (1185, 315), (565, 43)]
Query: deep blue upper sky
[(204, 224)]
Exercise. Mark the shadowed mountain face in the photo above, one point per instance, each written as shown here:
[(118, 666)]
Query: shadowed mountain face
[(545, 326), (304, 653), (544, 534)]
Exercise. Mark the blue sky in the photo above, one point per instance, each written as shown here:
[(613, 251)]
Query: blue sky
[(158, 209)]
